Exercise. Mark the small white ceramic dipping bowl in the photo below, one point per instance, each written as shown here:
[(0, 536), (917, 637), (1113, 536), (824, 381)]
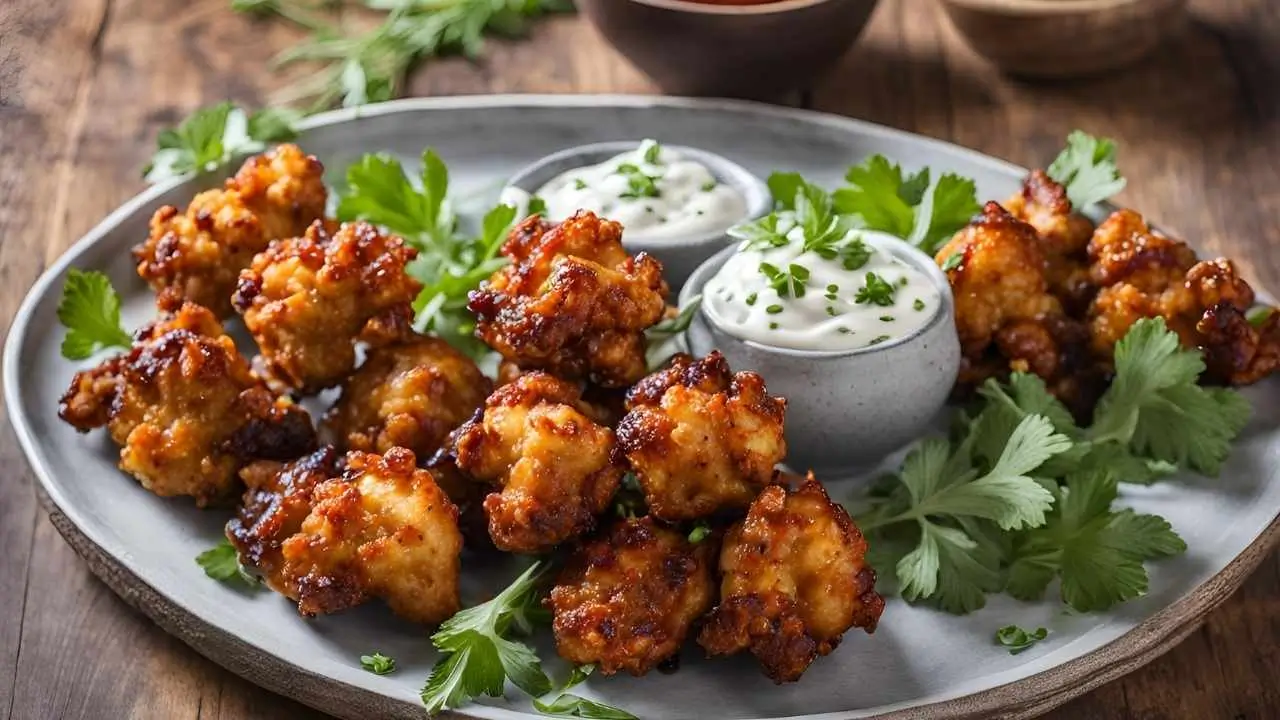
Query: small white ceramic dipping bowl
[(848, 409), (679, 256)]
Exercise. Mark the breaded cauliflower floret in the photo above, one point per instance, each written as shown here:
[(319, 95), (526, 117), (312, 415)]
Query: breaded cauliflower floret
[(185, 408), (572, 301), (794, 579), (382, 529), (1006, 316), (1064, 235), (411, 395), (1144, 274), (536, 440), (701, 438), (308, 300), (199, 253), (626, 600)]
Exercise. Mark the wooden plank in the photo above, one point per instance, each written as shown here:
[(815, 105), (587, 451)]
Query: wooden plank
[(47, 53)]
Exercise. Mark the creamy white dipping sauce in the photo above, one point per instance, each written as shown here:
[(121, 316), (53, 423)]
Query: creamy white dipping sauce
[(654, 191), (832, 308)]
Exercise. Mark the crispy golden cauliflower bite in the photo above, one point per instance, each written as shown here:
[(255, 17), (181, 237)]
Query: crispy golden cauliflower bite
[(411, 394), (308, 300), (572, 302), (626, 600), (200, 252), (185, 407), (554, 466), (331, 535), (794, 579), (701, 438)]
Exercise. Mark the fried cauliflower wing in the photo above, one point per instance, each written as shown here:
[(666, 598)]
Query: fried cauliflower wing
[(411, 395), (381, 528), (626, 600), (1064, 235), (572, 301), (1006, 316), (1144, 274), (794, 579), (185, 407), (536, 440), (308, 300), (200, 252), (701, 438)]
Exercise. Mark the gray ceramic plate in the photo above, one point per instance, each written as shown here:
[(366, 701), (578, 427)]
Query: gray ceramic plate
[(920, 664)]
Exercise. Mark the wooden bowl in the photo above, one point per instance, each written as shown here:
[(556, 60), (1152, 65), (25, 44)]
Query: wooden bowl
[(1064, 38), (753, 51)]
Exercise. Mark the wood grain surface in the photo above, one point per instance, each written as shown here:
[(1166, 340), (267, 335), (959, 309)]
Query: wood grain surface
[(86, 84)]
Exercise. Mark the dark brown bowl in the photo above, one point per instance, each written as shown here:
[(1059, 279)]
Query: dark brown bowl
[(753, 51)]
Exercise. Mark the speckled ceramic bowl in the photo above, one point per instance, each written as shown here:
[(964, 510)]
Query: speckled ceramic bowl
[(679, 256), (847, 409)]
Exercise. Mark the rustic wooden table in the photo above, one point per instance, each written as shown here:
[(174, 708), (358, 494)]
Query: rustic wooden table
[(85, 85)]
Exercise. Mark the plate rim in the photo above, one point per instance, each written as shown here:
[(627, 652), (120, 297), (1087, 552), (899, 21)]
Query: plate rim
[(1023, 698)]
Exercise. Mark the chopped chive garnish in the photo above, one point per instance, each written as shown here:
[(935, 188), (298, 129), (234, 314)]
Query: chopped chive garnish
[(953, 261), (833, 288), (877, 291), (879, 340), (701, 213), (918, 305), (773, 326), (751, 299), (843, 330), (886, 318), (902, 281), (652, 150), (773, 309), (579, 184), (709, 186), (831, 311)]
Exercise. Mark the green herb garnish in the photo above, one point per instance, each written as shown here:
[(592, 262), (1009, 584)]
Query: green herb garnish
[(918, 305), (787, 283), (90, 311), (651, 151), (773, 309), (953, 261), (378, 664), (876, 291), (884, 199), (222, 562), (1087, 168), (1017, 640), (213, 136)]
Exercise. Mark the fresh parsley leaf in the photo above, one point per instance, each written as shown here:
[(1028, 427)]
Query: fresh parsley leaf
[(222, 562), (213, 136), (667, 337), (1087, 168), (784, 187), (787, 283), (574, 706), (478, 655), (371, 66), (1018, 640), (378, 664), (379, 191), (537, 206), (879, 194), (1259, 315), (1156, 407), (766, 232), (954, 203), (1097, 553), (90, 311), (651, 151)]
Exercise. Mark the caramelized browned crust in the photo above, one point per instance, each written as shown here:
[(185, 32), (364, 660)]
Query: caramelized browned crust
[(626, 600), (199, 253), (536, 440), (572, 301), (701, 438), (1064, 235), (794, 579), (308, 300), (411, 395), (277, 499), (383, 529), (1007, 317), (185, 408), (1145, 274)]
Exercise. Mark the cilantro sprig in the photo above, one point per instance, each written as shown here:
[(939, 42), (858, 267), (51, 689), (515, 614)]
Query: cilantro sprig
[(222, 562), (1017, 640), (213, 136), (371, 66), (450, 263), (90, 311), (568, 705), (1023, 495), (378, 664), (1087, 168), (908, 206), (479, 656)]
